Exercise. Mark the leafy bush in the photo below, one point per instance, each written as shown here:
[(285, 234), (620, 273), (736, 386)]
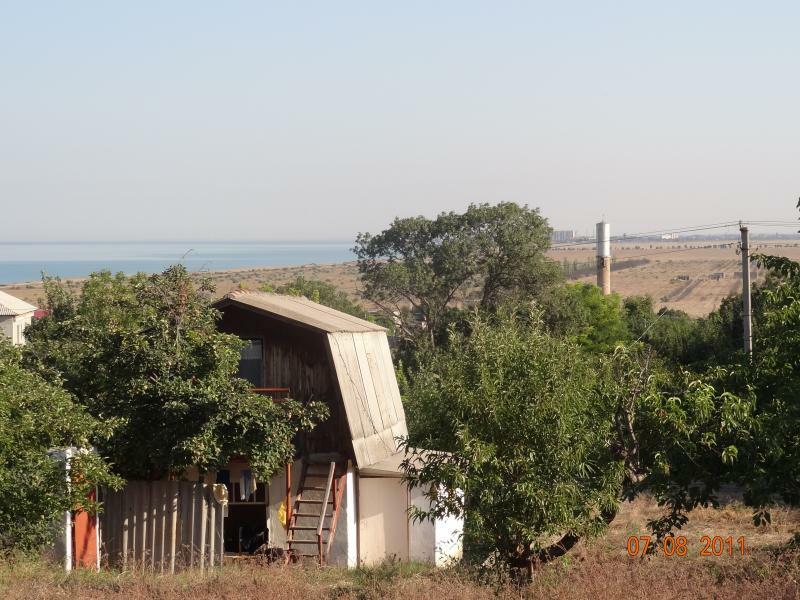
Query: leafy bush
[(37, 417), (526, 435)]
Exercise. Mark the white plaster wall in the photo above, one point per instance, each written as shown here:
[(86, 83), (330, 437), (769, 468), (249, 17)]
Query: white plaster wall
[(438, 541), (7, 326), (449, 540), (14, 327), (382, 519), (421, 534), (351, 503)]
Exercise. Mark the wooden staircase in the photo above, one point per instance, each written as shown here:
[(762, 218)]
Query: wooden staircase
[(312, 523)]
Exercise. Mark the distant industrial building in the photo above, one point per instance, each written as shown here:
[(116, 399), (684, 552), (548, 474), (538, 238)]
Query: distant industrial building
[(562, 235)]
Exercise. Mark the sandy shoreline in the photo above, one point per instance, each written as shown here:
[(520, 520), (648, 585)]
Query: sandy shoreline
[(678, 275), (342, 275)]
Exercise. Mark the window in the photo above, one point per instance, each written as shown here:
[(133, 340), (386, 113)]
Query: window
[(251, 362)]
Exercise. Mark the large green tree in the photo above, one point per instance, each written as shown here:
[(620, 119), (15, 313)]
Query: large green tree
[(543, 438), (527, 438), (418, 269), (36, 419), (146, 352)]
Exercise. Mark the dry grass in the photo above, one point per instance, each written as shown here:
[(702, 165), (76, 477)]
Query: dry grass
[(594, 574), (658, 278), (699, 295), (343, 275), (601, 569)]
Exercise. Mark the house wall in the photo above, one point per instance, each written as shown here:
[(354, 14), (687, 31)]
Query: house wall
[(386, 531), (15, 327), (422, 534), (382, 519), (296, 358), (7, 326), (449, 534)]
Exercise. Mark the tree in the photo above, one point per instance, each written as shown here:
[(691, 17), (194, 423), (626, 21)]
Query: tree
[(318, 291), (773, 374), (145, 351), (37, 417), (418, 269), (542, 438), (736, 420), (527, 438), (684, 340), (581, 311)]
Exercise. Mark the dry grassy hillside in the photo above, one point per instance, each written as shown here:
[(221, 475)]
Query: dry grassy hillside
[(679, 275), (660, 277)]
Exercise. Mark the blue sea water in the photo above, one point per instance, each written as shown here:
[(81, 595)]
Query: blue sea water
[(21, 262)]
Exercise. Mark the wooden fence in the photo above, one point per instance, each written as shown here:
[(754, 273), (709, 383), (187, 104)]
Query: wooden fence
[(162, 526)]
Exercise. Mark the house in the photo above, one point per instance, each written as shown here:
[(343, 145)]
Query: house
[(342, 501), (15, 316)]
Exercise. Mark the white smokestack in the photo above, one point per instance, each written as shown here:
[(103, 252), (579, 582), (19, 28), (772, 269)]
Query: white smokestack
[(603, 238)]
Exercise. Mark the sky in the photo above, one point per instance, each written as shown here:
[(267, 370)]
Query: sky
[(317, 120)]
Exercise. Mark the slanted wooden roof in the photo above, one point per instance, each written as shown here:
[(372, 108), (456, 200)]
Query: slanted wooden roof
[(362, 365), (11, 305), (368, 387), (299, 310)]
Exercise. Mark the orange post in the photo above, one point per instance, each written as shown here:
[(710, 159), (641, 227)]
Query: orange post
[(84, 537)]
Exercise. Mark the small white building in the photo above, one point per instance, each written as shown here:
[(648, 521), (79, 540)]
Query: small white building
[(15, 316)]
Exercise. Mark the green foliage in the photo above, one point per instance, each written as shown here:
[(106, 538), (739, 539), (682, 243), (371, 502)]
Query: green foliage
[(318, 291), (736, 423), (774, 375), (684, 340), (689, 436), (527, 436), (145, 351), (35, 418), (418, 269), (580, 311)]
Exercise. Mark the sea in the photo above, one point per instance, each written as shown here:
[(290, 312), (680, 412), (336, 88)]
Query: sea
[(27, 261)]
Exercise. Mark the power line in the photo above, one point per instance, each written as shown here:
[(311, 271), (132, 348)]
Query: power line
[(710, 246), (628, 236), (644, 234)]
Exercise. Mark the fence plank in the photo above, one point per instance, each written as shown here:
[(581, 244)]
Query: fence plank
[(153, 489), (220, 532), (212, 532), (162, 525), (125, 529), (136, 525), (174, 492), (201, 509)]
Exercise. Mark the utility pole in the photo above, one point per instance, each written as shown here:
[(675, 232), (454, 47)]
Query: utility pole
[(748, 333)]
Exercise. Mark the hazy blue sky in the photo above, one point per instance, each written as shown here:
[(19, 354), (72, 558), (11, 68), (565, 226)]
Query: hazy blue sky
[(315, 120)]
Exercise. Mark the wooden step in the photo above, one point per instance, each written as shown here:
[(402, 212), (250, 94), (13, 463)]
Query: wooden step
[(304, 514), (303, 500), (303, 541), (314, 488), (304, 528)]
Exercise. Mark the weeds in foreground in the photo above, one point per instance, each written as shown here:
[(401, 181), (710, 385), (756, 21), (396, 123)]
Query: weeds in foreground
[(592, 574)]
